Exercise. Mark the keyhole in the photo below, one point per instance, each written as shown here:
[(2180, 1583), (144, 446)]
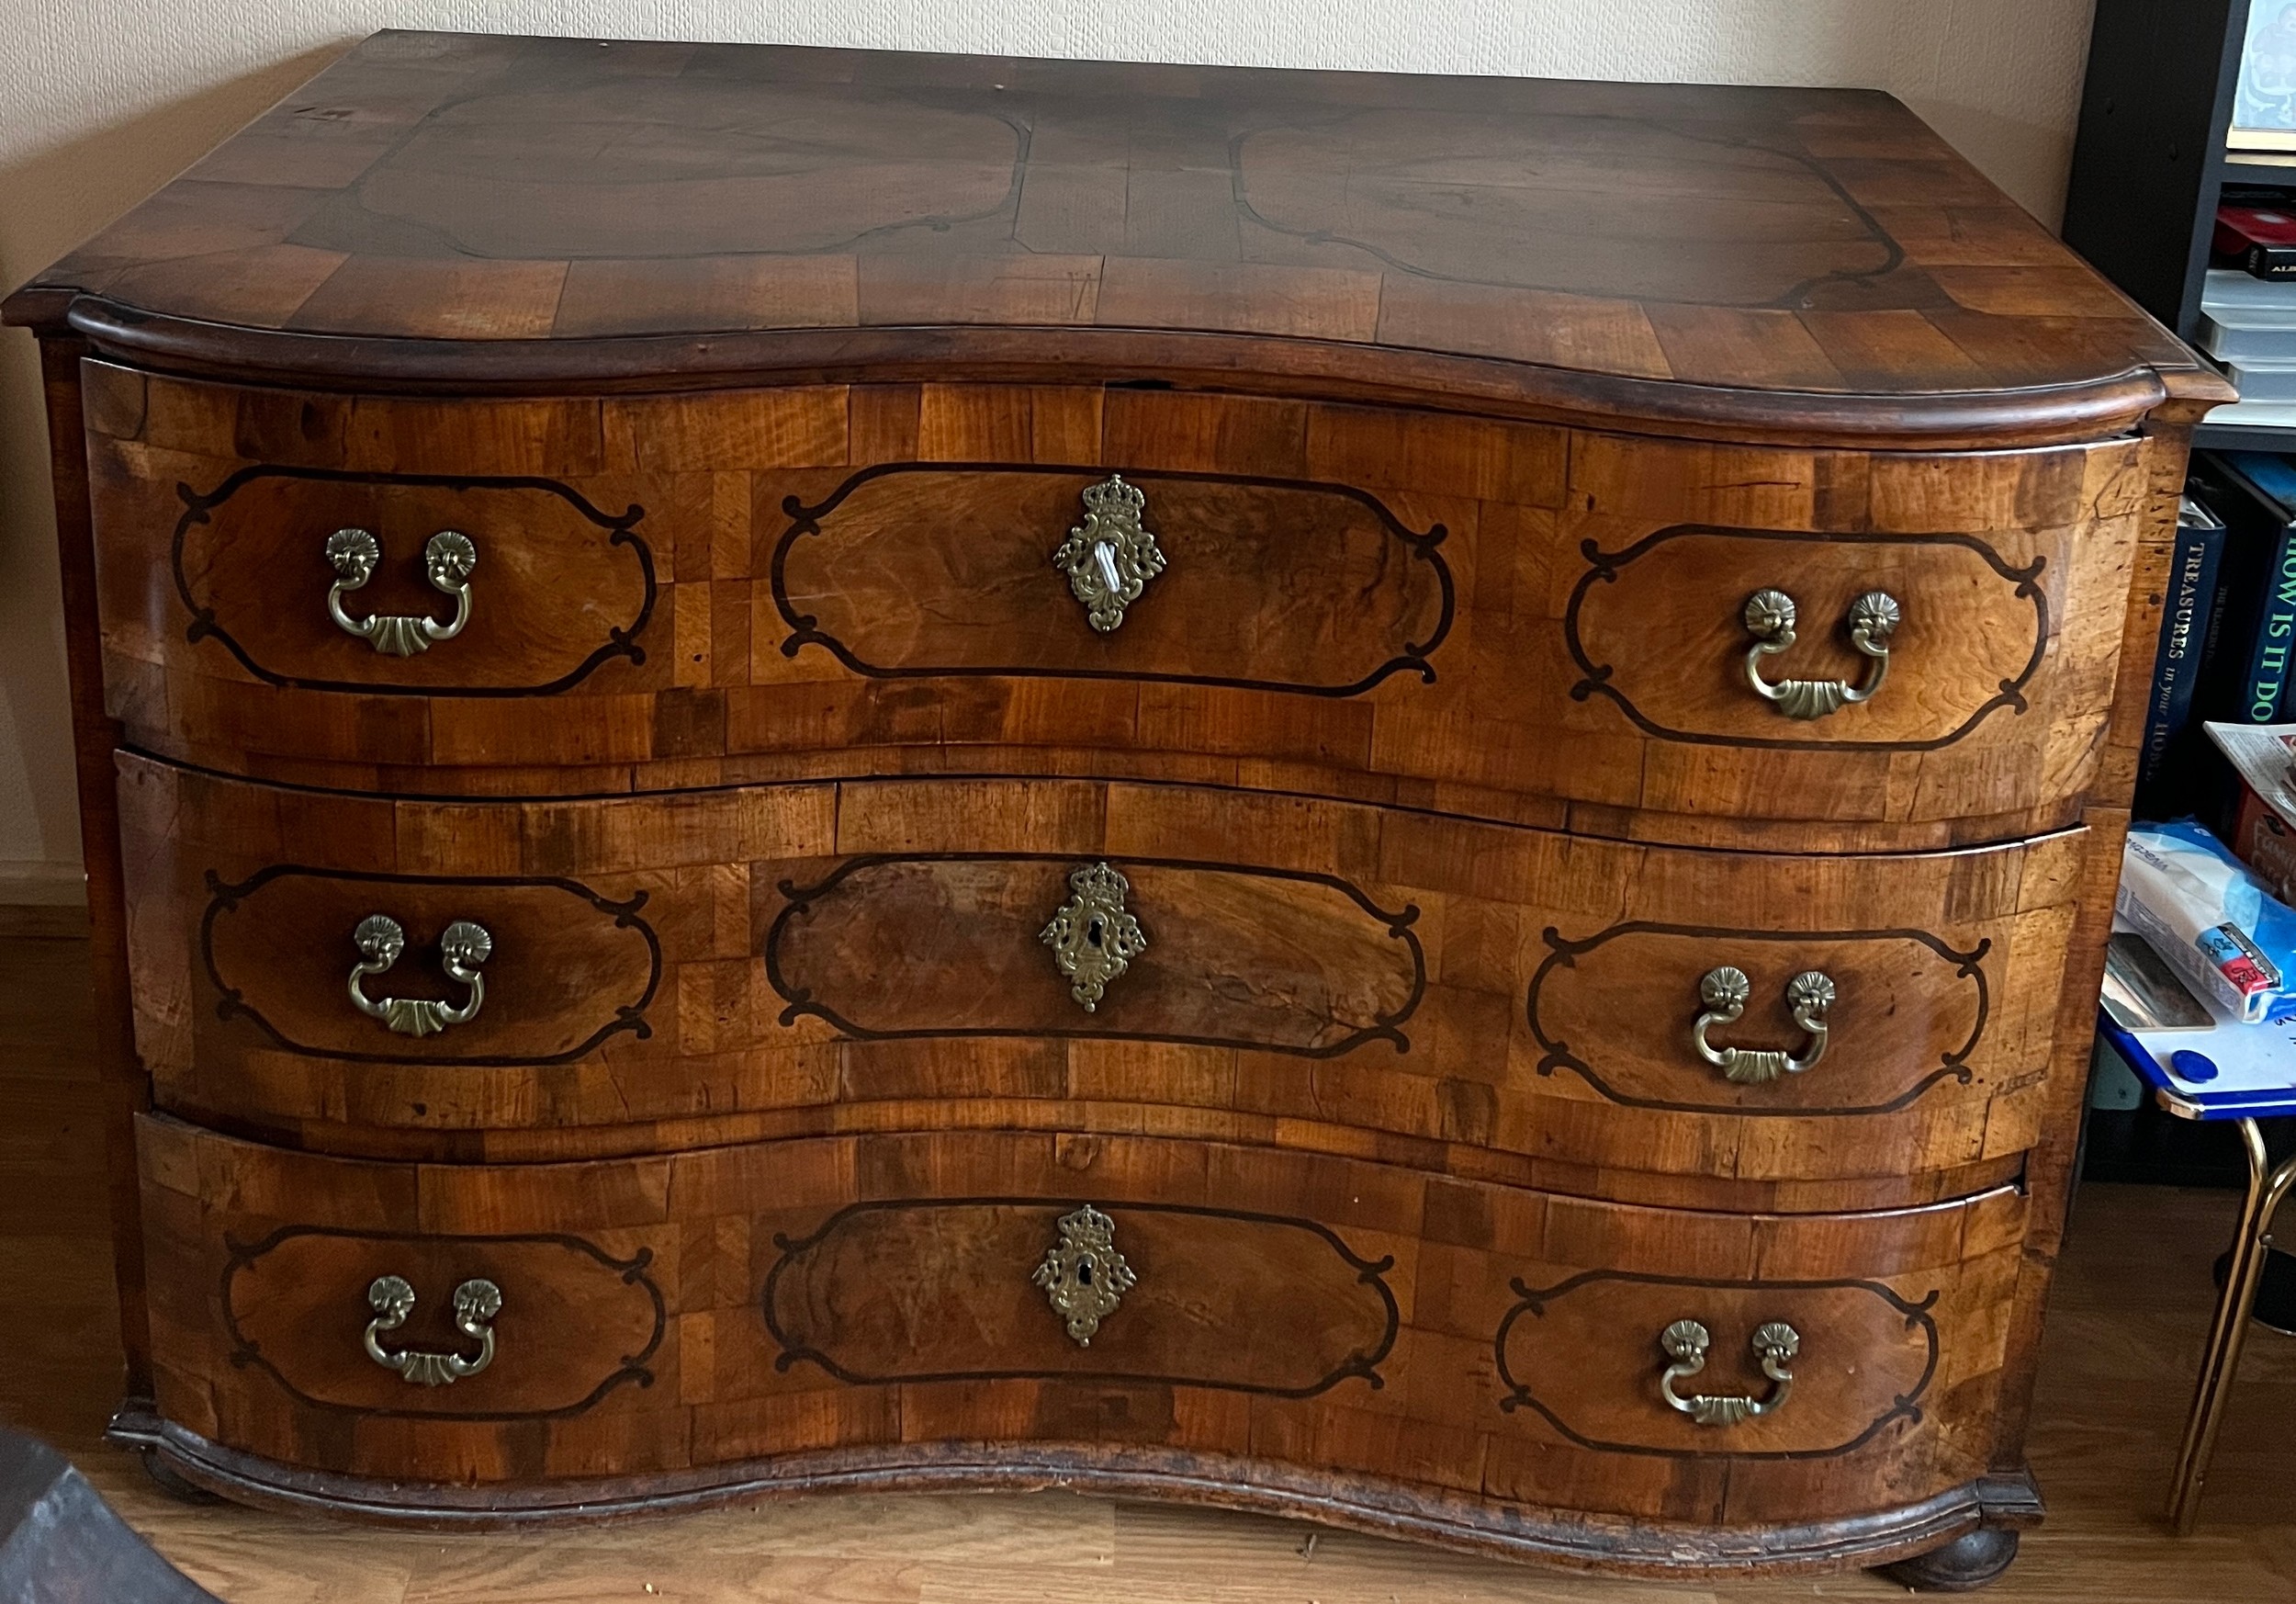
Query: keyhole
[(1083, 1272), (1104, 558), (1093, 931)]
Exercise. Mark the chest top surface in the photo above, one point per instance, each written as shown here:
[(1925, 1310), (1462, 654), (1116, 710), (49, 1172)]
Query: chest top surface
[(466, 208)]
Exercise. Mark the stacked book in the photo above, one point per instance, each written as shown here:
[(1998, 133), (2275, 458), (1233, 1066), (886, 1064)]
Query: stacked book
[(2249, 326)]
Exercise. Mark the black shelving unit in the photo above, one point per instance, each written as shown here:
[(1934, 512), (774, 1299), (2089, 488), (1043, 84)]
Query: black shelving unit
[(2149, 161)]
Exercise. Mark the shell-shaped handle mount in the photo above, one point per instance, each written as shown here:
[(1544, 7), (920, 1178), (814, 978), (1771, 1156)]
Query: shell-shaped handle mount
[(448, 560), (477, 1302), (1769, 619), (463, 947), (1724, 992), (1685, 1343)]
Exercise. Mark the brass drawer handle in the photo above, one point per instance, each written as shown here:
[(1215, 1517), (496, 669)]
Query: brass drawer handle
[(392, 1299), (1686, 1341), (1724, 991), (448, 560), (1092, 938), (1111, 556), (1874, 619), (1083, 1275), (462, 948)]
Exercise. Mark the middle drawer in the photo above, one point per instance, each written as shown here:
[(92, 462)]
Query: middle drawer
[(773, 960)]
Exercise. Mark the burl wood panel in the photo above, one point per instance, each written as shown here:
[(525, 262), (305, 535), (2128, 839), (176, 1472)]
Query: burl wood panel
[(1888, 1408), (1763, 260), (906, 1292), (930, 946), (1508, 1001), (1506, 620), (912, 571)]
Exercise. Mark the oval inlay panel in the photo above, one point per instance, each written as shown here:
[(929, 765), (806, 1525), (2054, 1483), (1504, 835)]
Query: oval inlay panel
[(1658, 630), (568, 969), (575, 1323), (1585, 1355), (560, 585), (941, 1291), (948, 945), (1616, 1010)]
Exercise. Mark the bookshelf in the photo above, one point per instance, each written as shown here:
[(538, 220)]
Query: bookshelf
[(2149, 161)]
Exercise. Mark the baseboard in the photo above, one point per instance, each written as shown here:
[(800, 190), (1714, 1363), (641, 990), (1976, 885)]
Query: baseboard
[(27, 884)]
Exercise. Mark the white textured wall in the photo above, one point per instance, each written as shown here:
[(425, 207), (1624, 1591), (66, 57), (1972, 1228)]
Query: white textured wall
[(103, 100)]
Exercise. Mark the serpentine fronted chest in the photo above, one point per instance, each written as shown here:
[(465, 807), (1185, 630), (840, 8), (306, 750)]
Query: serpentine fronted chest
[(1388, 798)]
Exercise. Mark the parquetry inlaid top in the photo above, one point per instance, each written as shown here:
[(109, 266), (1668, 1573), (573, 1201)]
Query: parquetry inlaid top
[(450, 193)]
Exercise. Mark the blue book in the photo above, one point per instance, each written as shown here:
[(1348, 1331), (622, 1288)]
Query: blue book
[(2185, 609), (2255, 493)]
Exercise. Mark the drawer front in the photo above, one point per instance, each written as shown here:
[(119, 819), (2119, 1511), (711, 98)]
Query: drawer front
[(776, 960), (1320, 1314), (1281, 594)]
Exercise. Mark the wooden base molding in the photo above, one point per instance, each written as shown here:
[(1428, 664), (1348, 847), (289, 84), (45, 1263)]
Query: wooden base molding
[(1990, 1508)]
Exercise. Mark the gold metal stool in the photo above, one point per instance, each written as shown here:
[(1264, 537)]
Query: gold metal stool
[(2220, 1362)]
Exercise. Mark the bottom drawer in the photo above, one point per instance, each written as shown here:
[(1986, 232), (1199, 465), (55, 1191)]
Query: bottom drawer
[(864, 1302)]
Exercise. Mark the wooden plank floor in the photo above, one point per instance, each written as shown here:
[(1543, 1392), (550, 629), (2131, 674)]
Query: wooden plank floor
[(2124, 1336)]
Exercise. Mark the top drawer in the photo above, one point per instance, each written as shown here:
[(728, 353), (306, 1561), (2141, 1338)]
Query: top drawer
[(1489, 617)]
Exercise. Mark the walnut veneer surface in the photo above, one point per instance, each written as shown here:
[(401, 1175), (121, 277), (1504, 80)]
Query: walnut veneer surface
[(763, 732)]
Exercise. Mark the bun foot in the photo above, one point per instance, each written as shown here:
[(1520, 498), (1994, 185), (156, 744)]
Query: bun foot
[(1970, 1561)]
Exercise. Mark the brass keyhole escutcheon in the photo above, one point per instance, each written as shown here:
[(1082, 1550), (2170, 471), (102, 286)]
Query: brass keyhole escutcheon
[(1093, 939), (1082, 1275)]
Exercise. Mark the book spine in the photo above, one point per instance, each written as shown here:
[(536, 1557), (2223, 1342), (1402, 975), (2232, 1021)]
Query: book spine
[(2269, 261), (2184, 621), (2276, 632)]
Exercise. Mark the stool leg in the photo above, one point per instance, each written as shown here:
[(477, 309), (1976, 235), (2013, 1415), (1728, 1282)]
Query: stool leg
[(2219, 1361)]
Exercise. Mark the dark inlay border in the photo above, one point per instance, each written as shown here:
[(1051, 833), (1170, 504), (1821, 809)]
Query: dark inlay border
[(620, 641), (232, 1003), (1906, 1406), (630, 1367), (1603, 568), (801, 1002), (1370, 1272), (1565, 954), (805, 630)]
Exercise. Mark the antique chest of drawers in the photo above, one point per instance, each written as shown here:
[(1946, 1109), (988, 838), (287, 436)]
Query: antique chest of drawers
[(1385, 798)]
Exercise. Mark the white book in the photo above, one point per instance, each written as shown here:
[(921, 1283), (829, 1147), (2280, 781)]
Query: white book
[(2256, 414), (2229, 290), (2261, 383)]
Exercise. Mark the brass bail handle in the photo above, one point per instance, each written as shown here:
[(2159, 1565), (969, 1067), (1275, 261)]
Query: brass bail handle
[(463, 946), (448, 560), (477, 1302), (1874, 619), (1685, 1343), (1724, 992)]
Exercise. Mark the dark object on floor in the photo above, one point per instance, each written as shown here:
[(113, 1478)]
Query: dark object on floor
[(61, 1544), (2276, 1293)]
